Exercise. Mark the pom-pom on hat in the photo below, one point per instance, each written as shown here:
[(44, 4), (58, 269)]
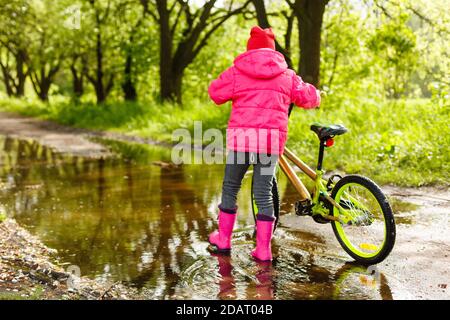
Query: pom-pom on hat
[(261, 38)]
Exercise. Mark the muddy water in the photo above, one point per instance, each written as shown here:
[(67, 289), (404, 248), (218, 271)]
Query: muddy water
[(144, 224)]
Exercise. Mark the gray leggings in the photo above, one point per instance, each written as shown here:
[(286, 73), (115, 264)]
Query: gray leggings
[(263, 171)]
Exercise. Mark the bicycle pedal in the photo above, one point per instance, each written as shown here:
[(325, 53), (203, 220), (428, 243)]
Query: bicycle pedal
[(303, 207)]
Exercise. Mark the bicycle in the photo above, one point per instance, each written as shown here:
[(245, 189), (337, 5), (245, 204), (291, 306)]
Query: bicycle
[(359, 212)]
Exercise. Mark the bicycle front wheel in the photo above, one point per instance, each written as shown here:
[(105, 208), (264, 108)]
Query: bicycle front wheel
[(368, 233)]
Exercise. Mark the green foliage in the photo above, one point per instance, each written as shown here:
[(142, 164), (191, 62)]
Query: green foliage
[(228, 43), (16, 21), (394, 43), (345, 68), (398, 52), (401, 142)]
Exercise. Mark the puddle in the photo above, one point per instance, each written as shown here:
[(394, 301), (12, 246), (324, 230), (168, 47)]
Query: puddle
[(404, 210), (136, 220), (295, 274)]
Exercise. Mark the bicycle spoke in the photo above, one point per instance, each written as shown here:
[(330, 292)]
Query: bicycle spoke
[(365, 230)]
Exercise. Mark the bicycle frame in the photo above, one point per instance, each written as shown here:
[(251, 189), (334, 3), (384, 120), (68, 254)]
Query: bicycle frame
[(319, 186)]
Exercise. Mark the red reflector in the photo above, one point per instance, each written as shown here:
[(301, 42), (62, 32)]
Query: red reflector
[(329, 142)]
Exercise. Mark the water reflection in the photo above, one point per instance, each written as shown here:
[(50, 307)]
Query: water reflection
[(145, 225), (183, 223), (118, 220), (263, 289), (351, 278), (227, 283), (267, 281)]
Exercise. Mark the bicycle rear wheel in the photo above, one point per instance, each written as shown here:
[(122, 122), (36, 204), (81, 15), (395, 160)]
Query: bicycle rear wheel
[(369, 235), (275, 199)]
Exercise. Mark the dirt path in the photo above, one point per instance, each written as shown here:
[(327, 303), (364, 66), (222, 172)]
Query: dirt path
[(63, 139), (418, 266), (60, 138)]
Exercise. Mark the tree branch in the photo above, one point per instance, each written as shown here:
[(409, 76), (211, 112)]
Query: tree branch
[(174, 26), (147, 10), (427, 20), (35, 82), (224, 18)]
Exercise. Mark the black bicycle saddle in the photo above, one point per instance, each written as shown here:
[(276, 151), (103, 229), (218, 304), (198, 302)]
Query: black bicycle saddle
[(328, 131)]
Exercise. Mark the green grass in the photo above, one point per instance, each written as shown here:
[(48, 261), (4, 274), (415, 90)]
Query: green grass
[(400, 142), (404, 142)]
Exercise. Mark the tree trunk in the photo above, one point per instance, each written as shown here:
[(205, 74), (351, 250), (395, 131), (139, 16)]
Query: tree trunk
[(97, 78), (7, 81), (177, 86), (42, 81), (199, 26), (14, 81), (261, 13), (165, 53), (21, 74), (128, 86), (44, 89), (77, 82), (263, 22), (99, 87), (309, 15)]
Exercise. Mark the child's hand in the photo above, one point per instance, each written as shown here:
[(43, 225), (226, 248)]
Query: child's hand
[(322, 94)]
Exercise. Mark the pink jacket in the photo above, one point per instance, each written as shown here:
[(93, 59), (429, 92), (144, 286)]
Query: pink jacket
[(261, 87)]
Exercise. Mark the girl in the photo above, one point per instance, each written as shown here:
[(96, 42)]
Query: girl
[(261, 88)]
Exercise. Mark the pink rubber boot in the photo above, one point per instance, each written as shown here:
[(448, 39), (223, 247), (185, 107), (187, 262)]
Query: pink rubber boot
[(264, 231), (222, 238)]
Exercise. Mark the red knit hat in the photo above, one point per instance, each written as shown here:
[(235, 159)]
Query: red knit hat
[(261, 38)]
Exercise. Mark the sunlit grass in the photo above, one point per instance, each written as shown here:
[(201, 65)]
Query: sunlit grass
[(404, 142)]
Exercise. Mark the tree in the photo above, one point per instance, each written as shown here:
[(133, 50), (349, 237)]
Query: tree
[(129, 82), (309, 14), (14, 70), (101, 78), (309, 17), (15, 17), (43, 67), (77, 44), (178, 48), (395, 44), (46, 49), (263, 21), (78, 69), (132, 44)]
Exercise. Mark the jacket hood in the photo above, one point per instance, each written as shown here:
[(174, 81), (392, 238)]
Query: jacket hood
[(261, 63)]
